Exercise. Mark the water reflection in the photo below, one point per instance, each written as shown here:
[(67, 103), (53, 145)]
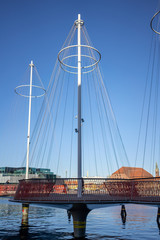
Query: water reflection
[(23, 231)]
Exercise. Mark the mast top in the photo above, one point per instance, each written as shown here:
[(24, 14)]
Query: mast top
[(79, 21), (31, 64)]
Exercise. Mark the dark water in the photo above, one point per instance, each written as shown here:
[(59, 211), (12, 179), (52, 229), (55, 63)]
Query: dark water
[(52, 223)]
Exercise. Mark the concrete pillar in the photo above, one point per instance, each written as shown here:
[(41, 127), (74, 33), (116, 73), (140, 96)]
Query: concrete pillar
[(69, 216), (23, 232), (123, 214), (25, 211), (158, 216), (79, 213)]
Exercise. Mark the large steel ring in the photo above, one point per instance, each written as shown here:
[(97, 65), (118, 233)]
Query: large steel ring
[(152, 22), (33, 96), (90, 67)]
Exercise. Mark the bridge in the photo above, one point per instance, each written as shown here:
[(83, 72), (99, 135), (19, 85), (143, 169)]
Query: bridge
[(96, 192), (80, 195)]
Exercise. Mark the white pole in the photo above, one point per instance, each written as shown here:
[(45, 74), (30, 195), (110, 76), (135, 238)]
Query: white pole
[(79, 108), (29, 119)]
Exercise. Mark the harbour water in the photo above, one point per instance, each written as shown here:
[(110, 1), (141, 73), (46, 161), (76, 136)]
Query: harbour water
[(53, 223)]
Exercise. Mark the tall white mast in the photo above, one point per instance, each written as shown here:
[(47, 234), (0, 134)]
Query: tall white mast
[(29, 119), (29, 114), (79, 106), (89, 64)]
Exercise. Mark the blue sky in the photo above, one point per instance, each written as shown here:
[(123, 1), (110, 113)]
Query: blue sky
[(35, 30)]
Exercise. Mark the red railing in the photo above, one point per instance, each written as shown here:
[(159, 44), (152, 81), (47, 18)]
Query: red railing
[(8, 189), (93, 190)]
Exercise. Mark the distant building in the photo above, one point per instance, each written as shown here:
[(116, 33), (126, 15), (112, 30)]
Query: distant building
[(130, 173), (157, 170), (13, 175)]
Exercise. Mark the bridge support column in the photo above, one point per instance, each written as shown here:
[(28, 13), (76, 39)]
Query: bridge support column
[(123, 214), (158, 215), (25, 211), (79, 213), (23, 232), (69, 215)]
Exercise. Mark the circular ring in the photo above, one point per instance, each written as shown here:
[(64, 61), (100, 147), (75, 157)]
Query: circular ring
[(152, 21), (70, 56), (96, 61), (23, 95)]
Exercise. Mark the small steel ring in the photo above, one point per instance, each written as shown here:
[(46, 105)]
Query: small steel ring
[(96, 61), (152, 21), (23, 95)]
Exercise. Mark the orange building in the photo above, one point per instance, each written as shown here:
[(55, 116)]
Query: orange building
[(130, 173)]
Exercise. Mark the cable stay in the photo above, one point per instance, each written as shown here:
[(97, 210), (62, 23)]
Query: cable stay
[(147, 153), (64, 127)]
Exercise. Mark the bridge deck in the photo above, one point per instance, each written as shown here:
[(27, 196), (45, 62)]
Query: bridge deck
[(94, 191)]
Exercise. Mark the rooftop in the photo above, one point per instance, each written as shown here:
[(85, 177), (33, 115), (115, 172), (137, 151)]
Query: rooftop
[(130, 173)]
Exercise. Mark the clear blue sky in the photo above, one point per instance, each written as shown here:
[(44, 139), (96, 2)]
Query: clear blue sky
[(35, 30)]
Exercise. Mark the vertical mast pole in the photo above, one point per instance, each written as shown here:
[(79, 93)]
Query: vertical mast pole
[(79, 108), (29, 119)]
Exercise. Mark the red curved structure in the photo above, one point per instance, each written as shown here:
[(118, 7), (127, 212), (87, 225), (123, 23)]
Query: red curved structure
[(94, 191)]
